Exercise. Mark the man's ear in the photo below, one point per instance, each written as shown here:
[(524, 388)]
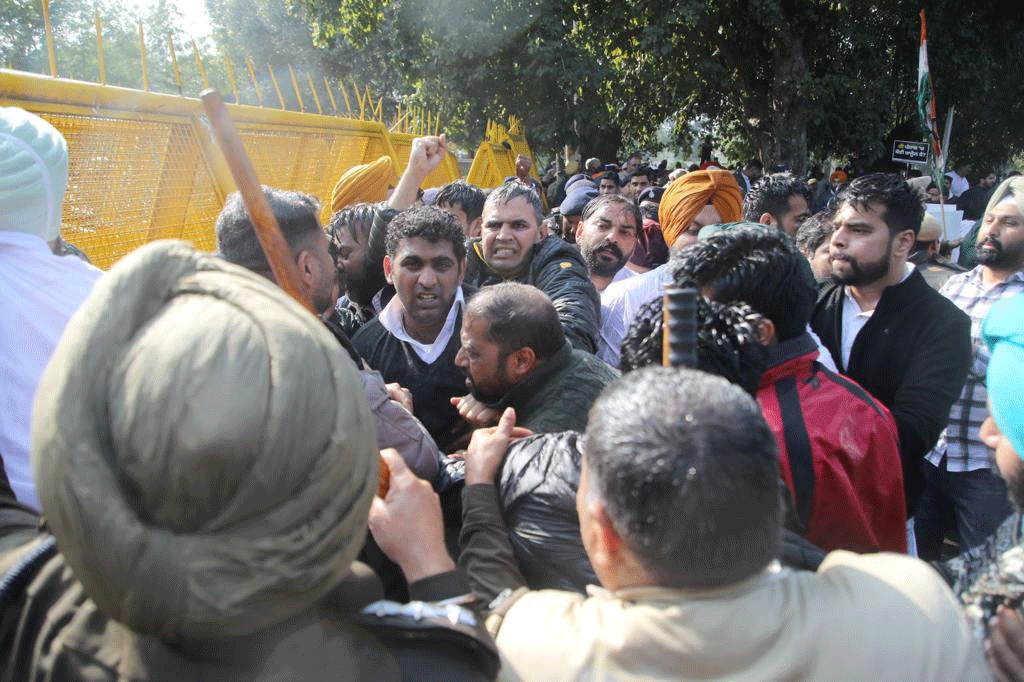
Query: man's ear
[(579, 231), (767, 219), (903, 243), (520, 363), (387, 270), (462, 271), (309, 268), (766, 332), (475, 227), (606, 544)]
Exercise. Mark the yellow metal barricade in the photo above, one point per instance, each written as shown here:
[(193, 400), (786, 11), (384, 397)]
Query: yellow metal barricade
[(143, 165)]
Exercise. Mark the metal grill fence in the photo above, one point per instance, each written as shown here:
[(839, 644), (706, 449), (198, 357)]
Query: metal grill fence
[(143, 165)]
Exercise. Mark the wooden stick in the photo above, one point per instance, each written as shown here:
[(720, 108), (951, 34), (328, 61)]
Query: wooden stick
[(279, 256)]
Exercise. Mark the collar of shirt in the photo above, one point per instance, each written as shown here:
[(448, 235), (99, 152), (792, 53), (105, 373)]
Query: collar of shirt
[(391, 319)]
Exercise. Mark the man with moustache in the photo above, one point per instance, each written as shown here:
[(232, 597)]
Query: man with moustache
[(885, 327), (515, 354), (690, 203), (962, 490), (607, 235), (414, 339)]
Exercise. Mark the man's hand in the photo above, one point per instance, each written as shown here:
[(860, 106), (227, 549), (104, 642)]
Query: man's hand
[(400, 395), (488, 446), (1005, 646), (407, 524), (426, 155), (475, 412)]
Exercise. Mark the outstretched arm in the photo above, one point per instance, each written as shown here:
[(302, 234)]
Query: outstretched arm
[(426, 155)]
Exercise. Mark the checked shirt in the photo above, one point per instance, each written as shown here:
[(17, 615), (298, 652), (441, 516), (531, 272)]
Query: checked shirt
[(960, 442)]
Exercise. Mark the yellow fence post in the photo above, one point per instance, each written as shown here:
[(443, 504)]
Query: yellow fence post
[(50, 52), (252, 77), (142, 54), (174, 63), (330, 95), (344, 94), (277, 88), (199, 65), (295, 87), (316, 97), (229, 68), (100, 57)]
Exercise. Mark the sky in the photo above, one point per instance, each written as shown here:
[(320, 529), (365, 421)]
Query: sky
[(194, 11)]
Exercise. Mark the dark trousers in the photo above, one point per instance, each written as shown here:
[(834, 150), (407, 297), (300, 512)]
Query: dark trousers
[(973, 503)]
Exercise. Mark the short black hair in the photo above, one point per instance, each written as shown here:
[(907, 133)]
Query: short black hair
[(367, 222), (728, 344), (469, 198), (645, 171), (602, 200), (771, 195), (687, 471), (519, 316), (754, 163), (500, 196), (431, 223), (901, 203), (609, 175), (758, 265), (237, 243), (814, 232)]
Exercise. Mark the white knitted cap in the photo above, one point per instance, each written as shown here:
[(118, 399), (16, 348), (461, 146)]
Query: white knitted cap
[(33, 174)]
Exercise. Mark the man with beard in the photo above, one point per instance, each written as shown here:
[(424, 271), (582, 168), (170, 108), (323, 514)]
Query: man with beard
[(414, 339), (988, 578), (888, 330), (607, 235), (356, 235), (515, 354), (961, 490), (692, 202)]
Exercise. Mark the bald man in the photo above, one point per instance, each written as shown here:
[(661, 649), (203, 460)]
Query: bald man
[(690, 203), (515, 354)]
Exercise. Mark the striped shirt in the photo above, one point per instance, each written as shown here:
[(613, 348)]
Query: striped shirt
[(960, 442)]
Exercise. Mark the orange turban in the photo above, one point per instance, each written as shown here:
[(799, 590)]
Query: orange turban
[(839, 175), (685, 197), (366, 183)]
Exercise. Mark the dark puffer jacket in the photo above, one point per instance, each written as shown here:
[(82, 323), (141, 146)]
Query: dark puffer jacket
[(556, 268), (537, 492)]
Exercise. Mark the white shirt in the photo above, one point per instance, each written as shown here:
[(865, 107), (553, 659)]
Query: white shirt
[(391, 318), (621, 301), (854, 318), (38, 294), (959, 184)]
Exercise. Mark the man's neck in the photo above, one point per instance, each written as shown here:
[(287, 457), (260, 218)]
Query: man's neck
[(424, 333), (992, 276), (600, 282), (868, 295)]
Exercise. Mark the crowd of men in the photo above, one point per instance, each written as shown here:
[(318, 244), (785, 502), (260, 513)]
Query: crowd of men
[(470, 463)]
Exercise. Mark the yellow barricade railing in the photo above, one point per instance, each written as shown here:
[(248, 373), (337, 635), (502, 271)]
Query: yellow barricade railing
[(143, 165)]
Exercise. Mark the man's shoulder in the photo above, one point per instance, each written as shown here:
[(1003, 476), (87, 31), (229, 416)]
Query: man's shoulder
[(553, 251), (369, 336), (584, 363)]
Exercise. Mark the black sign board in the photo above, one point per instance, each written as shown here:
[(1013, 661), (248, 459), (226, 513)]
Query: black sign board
[(909, 152)]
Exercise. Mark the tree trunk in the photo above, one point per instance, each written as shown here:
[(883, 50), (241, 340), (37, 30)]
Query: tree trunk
[(789, 105)]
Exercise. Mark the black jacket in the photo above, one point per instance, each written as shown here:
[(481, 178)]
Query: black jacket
[(556, 268), (432, 385), (912, 355)]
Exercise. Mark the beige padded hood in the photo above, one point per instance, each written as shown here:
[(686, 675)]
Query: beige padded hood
[(201, 448)]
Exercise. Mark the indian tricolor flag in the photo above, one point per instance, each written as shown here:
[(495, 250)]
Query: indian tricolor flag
[(926, 99)]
